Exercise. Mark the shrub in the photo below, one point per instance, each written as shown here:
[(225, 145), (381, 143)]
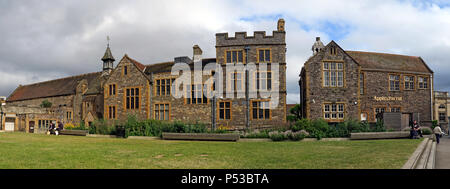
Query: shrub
[(277, 136), (426, 131), (297, 136), (379, 127), (46, 104), (257, 134), (101, 127), (303, 124)]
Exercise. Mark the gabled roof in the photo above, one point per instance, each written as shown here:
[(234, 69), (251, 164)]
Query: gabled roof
[(392, 62), (136, 63), (57, 87)]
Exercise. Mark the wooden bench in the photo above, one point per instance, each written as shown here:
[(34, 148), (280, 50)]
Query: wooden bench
[(379, 135), (201, 136), (74, 132)]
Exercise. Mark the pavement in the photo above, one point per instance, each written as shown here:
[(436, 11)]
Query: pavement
[(443, 153)]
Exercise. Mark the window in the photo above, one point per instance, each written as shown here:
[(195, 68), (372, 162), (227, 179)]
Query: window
[(112, 89), (112, 114), (442, 117), (225, 110), (45, 123), (162, 111), (394, 82), (132, 98), (264, 56), (395, 109), (378, 112), (423, 82), (409, 82), (260, 110), (333, 51), (69, 115), (125, 70), (195, 94), (441, 106), (363, 116), (237, 81), (263, 80), (333, 74), (361, 83), (235, 56), (163, 87), (333, 111)]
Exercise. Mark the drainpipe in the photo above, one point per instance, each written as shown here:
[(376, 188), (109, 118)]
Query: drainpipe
[(431, 97), (247, 113)]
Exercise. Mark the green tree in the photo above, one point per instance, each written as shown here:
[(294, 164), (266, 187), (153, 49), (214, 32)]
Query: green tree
[(296, 111), (46, 104)]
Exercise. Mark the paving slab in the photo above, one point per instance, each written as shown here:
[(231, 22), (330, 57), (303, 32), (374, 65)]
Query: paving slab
[(443, 153)]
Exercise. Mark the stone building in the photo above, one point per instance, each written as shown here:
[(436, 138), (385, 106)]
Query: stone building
[(152, 91), (441, 108), (336, 85)]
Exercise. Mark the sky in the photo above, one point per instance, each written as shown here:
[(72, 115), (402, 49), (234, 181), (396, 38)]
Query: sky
[(48, 39)]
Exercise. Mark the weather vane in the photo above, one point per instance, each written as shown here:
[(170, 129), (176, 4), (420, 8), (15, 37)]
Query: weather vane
[(107, 38)]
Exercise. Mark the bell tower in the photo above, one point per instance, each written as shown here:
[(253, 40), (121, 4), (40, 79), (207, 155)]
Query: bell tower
[(318, 46), (108, 59)]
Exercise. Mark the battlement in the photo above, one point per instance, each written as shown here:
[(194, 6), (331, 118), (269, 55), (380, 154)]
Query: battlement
[(258, 38)]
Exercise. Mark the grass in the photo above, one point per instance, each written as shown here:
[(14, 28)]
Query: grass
[(22, 151)]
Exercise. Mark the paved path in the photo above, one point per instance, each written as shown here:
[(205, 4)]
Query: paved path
[(443, 153)]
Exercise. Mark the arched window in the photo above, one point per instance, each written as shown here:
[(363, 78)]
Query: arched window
[(441, 106)]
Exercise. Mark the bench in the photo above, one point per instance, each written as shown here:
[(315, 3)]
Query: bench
[(74, 132), (201, 136), (379, 135)]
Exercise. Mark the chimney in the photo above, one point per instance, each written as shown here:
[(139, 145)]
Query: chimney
[(280, 26), (197, 53)]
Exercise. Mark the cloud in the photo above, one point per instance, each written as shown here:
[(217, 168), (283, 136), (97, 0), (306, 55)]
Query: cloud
[(44, 40)]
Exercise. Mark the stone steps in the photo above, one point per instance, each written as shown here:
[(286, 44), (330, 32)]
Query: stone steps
[(423, 157)]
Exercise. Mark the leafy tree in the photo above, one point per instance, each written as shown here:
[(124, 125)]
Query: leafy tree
[(296, 111), (46, 104)]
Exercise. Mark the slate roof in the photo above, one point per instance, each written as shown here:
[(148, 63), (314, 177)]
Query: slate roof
[(167, 66), (57, 87), (108, 55), (391, 62)]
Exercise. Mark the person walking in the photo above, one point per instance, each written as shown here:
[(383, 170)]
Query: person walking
[(438, 132)]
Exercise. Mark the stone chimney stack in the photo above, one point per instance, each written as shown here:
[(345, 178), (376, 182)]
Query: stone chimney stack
[(197, 53), (280, 26)]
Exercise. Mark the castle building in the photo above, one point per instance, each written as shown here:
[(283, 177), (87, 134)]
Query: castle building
[(149, 91), (337, 85)]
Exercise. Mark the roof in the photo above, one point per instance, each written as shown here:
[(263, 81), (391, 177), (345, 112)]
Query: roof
[(384, 61), (135, 62), (58, 87), (108, 55), (167, 66)]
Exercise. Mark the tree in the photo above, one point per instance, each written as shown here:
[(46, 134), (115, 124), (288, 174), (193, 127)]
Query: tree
[(296, 111), (46, 104)]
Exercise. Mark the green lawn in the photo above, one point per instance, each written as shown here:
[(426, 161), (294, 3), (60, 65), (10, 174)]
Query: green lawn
[(20, 150)]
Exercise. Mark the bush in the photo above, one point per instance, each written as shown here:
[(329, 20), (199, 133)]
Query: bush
[(296, 136), (379, 127), (257, 134), (303, 124), (102, 128), (426, 131), (134, 127), (277, 136)]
